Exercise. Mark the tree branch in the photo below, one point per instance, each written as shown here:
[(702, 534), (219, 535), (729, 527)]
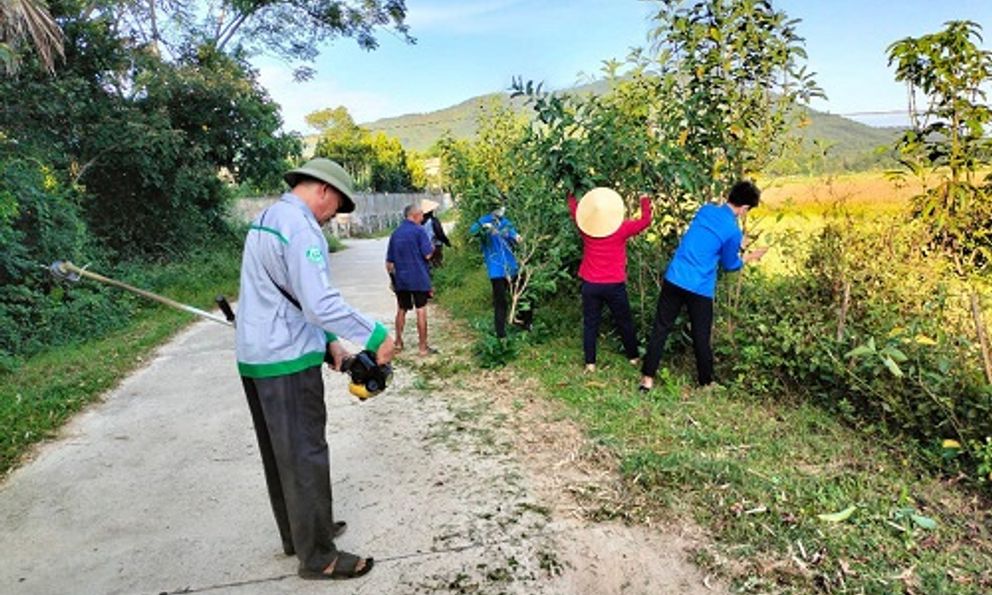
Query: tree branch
[(231, 29)]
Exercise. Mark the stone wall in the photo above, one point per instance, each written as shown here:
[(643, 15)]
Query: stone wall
[(374, 212)]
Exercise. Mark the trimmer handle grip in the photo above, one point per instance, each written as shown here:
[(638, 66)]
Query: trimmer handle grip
[(225, 308)]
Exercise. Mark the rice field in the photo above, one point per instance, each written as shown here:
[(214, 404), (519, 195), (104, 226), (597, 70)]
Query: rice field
[(863, 191), (795, 208)]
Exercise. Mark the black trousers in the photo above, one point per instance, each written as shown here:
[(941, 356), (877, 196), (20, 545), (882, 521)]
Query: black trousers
[(501, 306), (437, 258), (614, 296), (290, 419), (670, 303)]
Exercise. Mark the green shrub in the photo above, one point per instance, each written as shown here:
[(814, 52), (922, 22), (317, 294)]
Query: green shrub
[(462, 284), (40, 224), (900, 360), (495, 352)]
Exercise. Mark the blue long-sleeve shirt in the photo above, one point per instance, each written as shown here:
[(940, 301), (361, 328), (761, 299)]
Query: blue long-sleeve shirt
[(713, 239), (496, 242)]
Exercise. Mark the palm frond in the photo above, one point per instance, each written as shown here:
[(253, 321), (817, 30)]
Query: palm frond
[(22, 19)]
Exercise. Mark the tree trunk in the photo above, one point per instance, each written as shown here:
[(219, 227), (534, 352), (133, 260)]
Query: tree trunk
[(983, 340)]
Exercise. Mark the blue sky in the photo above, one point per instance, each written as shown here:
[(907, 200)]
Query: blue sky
[(470, 47)]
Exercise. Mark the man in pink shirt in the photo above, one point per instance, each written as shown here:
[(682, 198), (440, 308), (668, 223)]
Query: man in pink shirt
[(599, 216)]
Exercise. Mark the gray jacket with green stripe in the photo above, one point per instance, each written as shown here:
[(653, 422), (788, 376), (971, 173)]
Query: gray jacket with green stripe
[(286, 249)]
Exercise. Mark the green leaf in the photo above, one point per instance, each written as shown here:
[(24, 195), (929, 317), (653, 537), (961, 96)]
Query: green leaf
[(837, 517), (860, 351), (924, 522), (892, 366), (896, 354)]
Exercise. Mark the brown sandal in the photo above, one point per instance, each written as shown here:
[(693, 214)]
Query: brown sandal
[(345, 566)]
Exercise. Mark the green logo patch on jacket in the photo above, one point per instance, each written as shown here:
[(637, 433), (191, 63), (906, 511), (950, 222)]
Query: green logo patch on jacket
[(314, 255)]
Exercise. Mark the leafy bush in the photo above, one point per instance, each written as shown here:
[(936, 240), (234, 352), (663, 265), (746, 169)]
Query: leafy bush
[(705, 108), (123, 158), (41, 222), (495, 352), (873, 327), (159, 191), (149, 146)]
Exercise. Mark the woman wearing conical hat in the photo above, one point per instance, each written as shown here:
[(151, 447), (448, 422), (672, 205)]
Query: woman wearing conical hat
[(599, 217), (435, 232)]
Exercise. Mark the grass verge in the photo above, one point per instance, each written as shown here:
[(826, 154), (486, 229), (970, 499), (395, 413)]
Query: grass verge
[(43, 392), (756, 473)]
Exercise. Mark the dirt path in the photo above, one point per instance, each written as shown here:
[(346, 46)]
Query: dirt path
[(159, 489)]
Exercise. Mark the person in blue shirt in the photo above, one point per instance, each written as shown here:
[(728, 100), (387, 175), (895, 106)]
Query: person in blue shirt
[(712, 240), (406, 261), (498, 237)]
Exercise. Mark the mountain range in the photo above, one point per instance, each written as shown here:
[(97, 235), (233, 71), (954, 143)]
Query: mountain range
[(853, 145)]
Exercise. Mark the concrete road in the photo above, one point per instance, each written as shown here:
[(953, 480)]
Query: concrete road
[(159, 489)]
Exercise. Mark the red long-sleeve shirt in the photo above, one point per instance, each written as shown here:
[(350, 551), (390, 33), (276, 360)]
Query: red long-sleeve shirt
[(604, 260)]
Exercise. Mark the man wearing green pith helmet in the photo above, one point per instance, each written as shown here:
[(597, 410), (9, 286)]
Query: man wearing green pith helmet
[(289, 316)]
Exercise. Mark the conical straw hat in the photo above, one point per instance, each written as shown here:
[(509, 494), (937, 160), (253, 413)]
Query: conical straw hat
[(600, 212), (427, 205)]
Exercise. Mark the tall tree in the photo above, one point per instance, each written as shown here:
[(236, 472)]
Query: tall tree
[(736, 67), (345, 142), (289, 29), (390, 172), (336, 122), (377, 161), (948, 147)]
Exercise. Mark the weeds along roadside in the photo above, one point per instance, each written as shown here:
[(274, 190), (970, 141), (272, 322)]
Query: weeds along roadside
[(755, 469), (42, 391)]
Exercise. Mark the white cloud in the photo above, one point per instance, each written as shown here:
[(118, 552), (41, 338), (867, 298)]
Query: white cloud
[(301, 98)]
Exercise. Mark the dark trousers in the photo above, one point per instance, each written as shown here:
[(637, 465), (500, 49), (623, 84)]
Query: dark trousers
[(614, 296), (290, 418), (501, 306), (437, 257), (700, 308)]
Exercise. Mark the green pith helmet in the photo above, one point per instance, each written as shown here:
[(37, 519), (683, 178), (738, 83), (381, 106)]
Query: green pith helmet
[(326, 171)]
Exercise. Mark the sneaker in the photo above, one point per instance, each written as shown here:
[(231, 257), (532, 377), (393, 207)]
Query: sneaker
[(590, 368)]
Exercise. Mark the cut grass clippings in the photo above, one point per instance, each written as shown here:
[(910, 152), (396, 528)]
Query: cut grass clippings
[(794, 500), (758, 474), (46, 390)]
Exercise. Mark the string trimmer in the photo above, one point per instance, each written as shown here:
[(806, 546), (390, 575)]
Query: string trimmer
[(367, 378)]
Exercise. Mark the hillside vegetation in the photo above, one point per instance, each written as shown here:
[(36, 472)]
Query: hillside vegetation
[(852, 146)]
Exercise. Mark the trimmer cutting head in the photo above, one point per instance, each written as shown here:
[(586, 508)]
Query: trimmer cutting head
[(62, 273)]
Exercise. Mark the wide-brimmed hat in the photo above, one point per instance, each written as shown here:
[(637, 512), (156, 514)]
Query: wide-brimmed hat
[(329, 172), (427, 205), (600, 212)]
